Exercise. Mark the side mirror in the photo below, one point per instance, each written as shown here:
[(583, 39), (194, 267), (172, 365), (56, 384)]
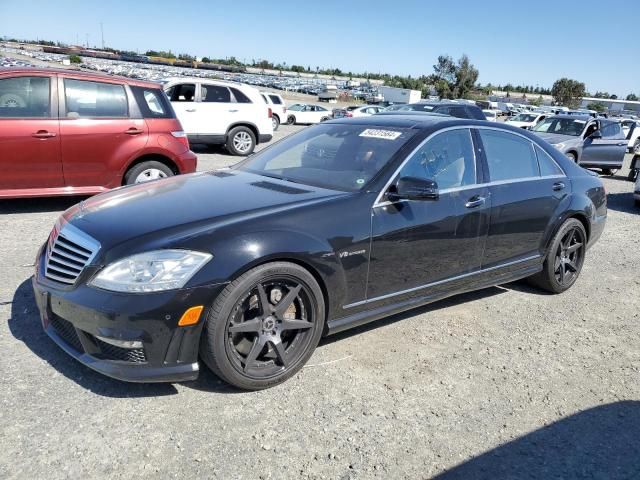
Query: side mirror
[(412, 188), (596, 134)]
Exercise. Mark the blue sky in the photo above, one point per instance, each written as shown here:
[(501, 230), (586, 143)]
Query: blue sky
[(531, 43)]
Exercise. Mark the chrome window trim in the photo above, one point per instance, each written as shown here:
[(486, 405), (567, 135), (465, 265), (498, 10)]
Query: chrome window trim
[(439, 282), (379, 202)]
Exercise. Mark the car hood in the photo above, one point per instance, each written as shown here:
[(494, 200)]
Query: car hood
[(554, 138), (180, 204)]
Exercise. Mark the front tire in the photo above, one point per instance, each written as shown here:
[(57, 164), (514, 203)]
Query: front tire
[(291, 120), (573, 157), (241, 141), (146, 172), (564, 258), (264, 326)]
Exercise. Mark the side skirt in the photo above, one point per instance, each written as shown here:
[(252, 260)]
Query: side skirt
[(370, 315)]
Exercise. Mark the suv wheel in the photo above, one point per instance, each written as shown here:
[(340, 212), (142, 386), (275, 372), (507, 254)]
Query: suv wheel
[(264, 326), (241, 141), (146, 172), (564, 259), (275, 121)]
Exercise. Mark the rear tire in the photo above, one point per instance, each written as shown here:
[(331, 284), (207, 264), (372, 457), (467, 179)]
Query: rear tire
[(636, 146), (633, 174), (291, 120), (275, 121), (146, 172), (264, 326), (606, 171), (241, 141), (564, 259)]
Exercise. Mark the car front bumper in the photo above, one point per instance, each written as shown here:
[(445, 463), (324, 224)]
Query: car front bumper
[(130, 337)]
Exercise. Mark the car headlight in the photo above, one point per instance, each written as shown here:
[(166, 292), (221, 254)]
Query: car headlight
[(559, 146), (151, 271)]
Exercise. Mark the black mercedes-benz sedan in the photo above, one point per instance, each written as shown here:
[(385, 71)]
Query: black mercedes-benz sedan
[(340, 224)]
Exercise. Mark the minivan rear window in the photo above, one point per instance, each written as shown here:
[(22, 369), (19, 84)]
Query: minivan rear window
[(153, 102)]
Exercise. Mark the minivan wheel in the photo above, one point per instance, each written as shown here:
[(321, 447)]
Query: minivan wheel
[(264, 326), (572, 156), (291, 120), (146, 172), (275, 121), (565, 258), (241, 141)]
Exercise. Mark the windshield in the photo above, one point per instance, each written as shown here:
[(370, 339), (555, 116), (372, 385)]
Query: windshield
[(335, 156), (561, 126), (524, 117)]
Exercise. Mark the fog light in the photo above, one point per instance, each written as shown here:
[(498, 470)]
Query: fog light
[(120, 343), (190, 316)]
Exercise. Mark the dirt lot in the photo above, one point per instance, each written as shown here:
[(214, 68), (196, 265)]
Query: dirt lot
[(504, 383)]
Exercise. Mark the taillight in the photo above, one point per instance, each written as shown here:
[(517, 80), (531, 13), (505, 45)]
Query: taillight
[(348, 114), (270, 112), (181, 137), (285, 109)]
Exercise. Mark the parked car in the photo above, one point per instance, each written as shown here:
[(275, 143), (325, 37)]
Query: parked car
[(358, 111), (337, 225), (636, 191), (455, 109), (278, 107), (631, 131), (74, 133), (303, 113), (492, 115), (216, 112), (526, 120), (592, 143)]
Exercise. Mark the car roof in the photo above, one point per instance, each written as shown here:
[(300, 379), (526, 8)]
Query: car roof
[(573, 117), (434, 103), (412, 120), (79, 73)]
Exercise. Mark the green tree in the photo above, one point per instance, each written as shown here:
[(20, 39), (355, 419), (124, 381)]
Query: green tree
[(632, 97), (568, 92), (75, 59), (601, 95), (466, 76), (597, 106)]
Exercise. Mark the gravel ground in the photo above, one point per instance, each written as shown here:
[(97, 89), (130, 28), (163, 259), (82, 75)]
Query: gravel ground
[(506, 382)]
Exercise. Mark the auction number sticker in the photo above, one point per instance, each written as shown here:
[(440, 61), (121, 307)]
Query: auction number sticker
[(385, 134)]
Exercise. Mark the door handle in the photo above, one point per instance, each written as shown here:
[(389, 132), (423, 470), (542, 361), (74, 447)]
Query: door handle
[(43, 134), (190, 110), (232, 111), (134, 131), (621, 144), (475, 201), (558, 186)]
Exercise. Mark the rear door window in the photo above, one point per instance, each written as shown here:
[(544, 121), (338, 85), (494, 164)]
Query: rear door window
[(548, 166), (459, 112), (215, 94), (25, 97), (87, 99), (509, 156), (275, 99)]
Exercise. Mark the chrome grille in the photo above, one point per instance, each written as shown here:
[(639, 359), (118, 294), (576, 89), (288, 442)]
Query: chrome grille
[(69, 250)]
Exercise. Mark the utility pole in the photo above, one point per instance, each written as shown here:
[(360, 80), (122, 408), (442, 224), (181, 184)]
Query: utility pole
[(102, 35), (87, 39)]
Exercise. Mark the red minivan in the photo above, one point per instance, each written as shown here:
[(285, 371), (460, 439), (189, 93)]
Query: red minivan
[(65, 132)]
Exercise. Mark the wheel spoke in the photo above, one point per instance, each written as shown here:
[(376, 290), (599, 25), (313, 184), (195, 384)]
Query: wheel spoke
[(557, 264), (571, 266), (574, 247), (295, 325), (256, 348), (562, 273), (265, 306), (284, 304), (280, 351), (248, 326)]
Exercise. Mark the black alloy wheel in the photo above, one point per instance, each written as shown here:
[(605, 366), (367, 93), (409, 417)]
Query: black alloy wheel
[(569, 257), (264, 326), (564, 259)]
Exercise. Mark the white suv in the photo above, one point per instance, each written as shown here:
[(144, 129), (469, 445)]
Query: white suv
[(276, 102), (221, 113)]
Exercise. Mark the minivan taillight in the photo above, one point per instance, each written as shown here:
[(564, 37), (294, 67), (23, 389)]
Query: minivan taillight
[(182, 137), (270, 114)]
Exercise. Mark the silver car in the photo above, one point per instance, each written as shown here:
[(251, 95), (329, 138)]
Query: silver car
[(590, 142)]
